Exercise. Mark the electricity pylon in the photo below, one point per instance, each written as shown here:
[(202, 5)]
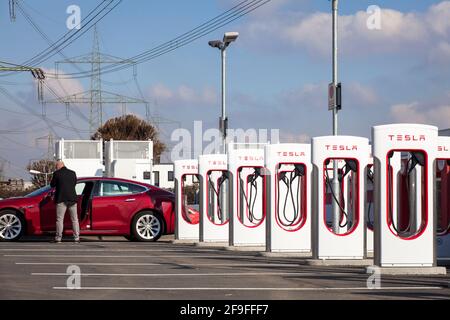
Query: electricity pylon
[(50, 145), (96, 97)]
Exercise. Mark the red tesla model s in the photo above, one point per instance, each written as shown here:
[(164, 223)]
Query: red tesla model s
[(106, 206)]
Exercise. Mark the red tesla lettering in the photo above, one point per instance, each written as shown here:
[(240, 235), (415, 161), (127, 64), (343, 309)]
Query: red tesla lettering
[(407, 137)]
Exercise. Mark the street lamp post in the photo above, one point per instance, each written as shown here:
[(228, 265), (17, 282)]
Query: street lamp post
[(228, 38), (222, 46), (335, 182)]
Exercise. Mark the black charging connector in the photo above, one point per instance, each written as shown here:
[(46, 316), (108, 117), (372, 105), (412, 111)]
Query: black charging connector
[(220, 181), (350, 165), (251, 199), (288, 178), (416, 158)]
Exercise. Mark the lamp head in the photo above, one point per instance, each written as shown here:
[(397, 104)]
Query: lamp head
[(229, 37), (216, 44)]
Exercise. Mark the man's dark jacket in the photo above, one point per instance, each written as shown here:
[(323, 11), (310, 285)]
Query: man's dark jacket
[(64, 181)]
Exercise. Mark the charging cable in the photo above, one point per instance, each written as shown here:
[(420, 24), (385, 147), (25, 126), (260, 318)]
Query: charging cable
[(370, 223), (217, 191), (251, 199), (296, 174), (350, 165), (444, 231), (416, 158)]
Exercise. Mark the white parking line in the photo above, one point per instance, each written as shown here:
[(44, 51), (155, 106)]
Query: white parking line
[(253, 289), (187, 255), (87, 264), (220, 274), (104, 250), (100, 244), (179, 264)]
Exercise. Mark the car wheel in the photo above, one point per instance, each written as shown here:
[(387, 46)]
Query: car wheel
[(147, 226), (12, 226)]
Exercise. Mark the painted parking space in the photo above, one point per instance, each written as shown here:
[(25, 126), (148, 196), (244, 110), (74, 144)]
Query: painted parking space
[(171, 271)]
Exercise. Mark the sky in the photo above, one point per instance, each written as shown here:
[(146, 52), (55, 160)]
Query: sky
[(278, 69)]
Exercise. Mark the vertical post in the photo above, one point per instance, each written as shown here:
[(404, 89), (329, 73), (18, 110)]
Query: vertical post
[(224, 128), (335, 60), (223, 121), (335, 183)]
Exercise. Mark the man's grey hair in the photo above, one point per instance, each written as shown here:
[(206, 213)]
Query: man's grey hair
[(59, 162)]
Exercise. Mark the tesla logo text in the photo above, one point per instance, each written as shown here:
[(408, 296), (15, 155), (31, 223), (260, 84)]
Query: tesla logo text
[(217, 163), (291, 154), (442, 148), (406, 137), (336, 147), (190, 167), (251, 158)]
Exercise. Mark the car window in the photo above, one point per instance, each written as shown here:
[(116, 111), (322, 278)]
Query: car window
[(38, 192), (113, 188), (79, 188), (134, 188)]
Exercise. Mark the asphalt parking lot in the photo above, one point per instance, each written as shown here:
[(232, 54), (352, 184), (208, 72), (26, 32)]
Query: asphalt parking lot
[(113, 268)]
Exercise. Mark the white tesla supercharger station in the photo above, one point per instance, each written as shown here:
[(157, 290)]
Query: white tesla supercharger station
[(246, 167), (85, 157), (186, 217), (404, 160), (369, 209), (288, 169), (341, 238), (214, 197), (131, 160), (443, 198)]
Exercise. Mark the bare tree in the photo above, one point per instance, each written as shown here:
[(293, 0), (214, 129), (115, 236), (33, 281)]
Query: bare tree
[(130, 127), (47, 167)]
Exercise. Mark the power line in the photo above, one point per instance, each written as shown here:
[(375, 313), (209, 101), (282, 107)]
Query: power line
[(47, 39), (67, 35), (15, 83), (96, 97), (63, 40), (243, 8), (188, 37), (39, 30), (40, 13), (23, 113), (12, 164), (7, 94), (85, 29), (20, 143)]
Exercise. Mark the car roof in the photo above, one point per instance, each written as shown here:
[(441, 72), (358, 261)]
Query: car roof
[(119, 180), (112, 179)]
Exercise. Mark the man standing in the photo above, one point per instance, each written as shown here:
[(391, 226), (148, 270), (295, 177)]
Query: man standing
[(64, 181)]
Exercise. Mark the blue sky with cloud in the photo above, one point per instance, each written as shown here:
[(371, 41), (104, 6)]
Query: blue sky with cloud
[(278, 69)]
